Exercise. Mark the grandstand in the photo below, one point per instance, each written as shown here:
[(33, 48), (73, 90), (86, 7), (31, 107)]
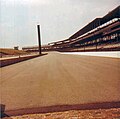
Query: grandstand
[(102, 34)]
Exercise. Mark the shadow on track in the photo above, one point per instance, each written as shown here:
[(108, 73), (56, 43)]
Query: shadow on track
[(58, 108)]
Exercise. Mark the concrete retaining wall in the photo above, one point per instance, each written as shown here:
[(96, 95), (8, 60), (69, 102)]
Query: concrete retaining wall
[(6, 62)]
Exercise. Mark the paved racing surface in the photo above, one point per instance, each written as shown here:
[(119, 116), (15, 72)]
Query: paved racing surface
[(59, 79)]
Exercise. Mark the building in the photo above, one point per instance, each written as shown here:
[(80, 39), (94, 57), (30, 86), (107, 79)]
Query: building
[(102, 34)]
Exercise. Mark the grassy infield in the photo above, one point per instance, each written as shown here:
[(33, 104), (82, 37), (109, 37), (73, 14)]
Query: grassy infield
[(12, 51)]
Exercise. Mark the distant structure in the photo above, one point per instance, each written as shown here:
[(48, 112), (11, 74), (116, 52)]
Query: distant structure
[(102, 34), (16, 48)]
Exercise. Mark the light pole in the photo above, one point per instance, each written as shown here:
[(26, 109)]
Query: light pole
[(39, 39)]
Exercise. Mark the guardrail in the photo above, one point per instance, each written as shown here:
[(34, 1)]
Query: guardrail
[(6, 62)]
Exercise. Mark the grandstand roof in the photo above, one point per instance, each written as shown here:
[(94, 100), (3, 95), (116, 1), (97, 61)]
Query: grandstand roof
[(97, 22)]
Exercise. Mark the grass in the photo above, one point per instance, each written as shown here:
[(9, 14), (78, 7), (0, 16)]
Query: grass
[(8, 51)]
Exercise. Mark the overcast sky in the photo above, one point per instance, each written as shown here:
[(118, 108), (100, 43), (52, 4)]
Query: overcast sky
[(59, 19)]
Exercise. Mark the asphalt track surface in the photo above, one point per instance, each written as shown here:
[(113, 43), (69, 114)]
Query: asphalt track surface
[(59, 79)]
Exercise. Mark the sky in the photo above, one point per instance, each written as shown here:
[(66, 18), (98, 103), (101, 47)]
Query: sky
[(59, 19)]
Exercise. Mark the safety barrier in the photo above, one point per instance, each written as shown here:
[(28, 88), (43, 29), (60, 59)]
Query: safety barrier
[(6, 62)]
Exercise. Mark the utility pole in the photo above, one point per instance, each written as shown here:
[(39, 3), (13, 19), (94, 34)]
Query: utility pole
[(39, 39)]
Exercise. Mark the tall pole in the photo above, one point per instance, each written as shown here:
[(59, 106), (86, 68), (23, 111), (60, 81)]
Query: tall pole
[(39, 39)]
